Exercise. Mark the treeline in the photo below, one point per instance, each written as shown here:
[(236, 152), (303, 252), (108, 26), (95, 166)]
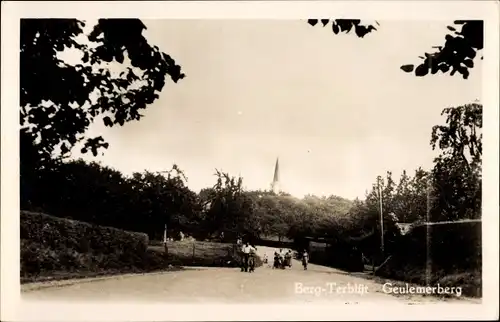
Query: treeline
[(145, 202)]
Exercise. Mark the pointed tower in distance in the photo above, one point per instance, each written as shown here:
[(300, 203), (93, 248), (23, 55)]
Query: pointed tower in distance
[(276, 178)]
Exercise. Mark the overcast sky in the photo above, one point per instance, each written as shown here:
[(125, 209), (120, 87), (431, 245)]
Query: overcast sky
[(336, 109)]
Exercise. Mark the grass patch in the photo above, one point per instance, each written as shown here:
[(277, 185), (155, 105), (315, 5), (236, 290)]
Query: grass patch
[(201, 253), (470, 281)]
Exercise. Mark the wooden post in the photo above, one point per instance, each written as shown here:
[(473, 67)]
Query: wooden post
[(165, 246), (381, 220), (428, 268)]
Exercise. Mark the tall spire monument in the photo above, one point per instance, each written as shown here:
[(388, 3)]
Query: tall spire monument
[(276, 178)]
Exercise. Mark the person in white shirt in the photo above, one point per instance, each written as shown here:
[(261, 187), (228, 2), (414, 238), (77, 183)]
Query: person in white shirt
[(247, 251), (282, 254)]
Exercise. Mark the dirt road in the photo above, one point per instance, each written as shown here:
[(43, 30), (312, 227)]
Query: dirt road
[(317, 284)]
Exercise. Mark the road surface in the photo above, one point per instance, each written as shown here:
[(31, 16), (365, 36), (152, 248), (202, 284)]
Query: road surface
[(229, 285)]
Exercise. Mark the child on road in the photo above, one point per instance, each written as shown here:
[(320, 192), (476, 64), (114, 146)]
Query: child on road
[(305, 259)]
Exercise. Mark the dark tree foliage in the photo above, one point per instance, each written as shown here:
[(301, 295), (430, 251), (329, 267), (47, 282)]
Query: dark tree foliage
[(59, 100), (93, 193), (461, 137), (457, 173), (344, 25), (455, 55), (458, 52), (230, 210)]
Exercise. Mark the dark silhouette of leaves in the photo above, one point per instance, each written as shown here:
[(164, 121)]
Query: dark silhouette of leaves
[(312, 22), (345, 25), (469, 63), (361, 31), (56, 103), (107, 121), (457, 53), (407, 68), (421, 70), (335, 28), (459, 50)]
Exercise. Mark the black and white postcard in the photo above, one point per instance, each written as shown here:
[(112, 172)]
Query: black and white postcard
[(249, 160)]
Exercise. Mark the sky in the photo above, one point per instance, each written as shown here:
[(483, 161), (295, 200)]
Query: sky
[(335, 109)]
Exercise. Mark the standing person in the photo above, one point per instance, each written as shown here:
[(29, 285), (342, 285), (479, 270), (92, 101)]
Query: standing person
[(240, 247), (288, 258), (251, 258), (305, 259), (283, 257), (247, 249), (276, 260)]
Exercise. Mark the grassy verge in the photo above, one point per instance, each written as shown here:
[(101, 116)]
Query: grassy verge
[(470, 281), (200, 253), (81, 274)]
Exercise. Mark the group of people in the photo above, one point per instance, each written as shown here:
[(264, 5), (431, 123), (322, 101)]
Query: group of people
[(282, 258)]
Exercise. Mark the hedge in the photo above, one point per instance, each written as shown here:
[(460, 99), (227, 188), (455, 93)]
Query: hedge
[(57, 232), (456, 257), (59, 248), (50, 245)]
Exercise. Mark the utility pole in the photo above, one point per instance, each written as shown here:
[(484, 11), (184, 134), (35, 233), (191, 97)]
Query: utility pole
[(428, 242), (381, 218), (165, 246), (428, 268)]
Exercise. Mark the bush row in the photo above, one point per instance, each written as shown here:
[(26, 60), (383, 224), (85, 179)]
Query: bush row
[(38, 260), (456, 257), (50, 244), (58, 247), (54, 232)]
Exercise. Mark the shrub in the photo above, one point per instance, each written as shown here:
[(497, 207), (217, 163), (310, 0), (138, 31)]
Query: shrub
[(56, 232), (51, 246), (456, 257)]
